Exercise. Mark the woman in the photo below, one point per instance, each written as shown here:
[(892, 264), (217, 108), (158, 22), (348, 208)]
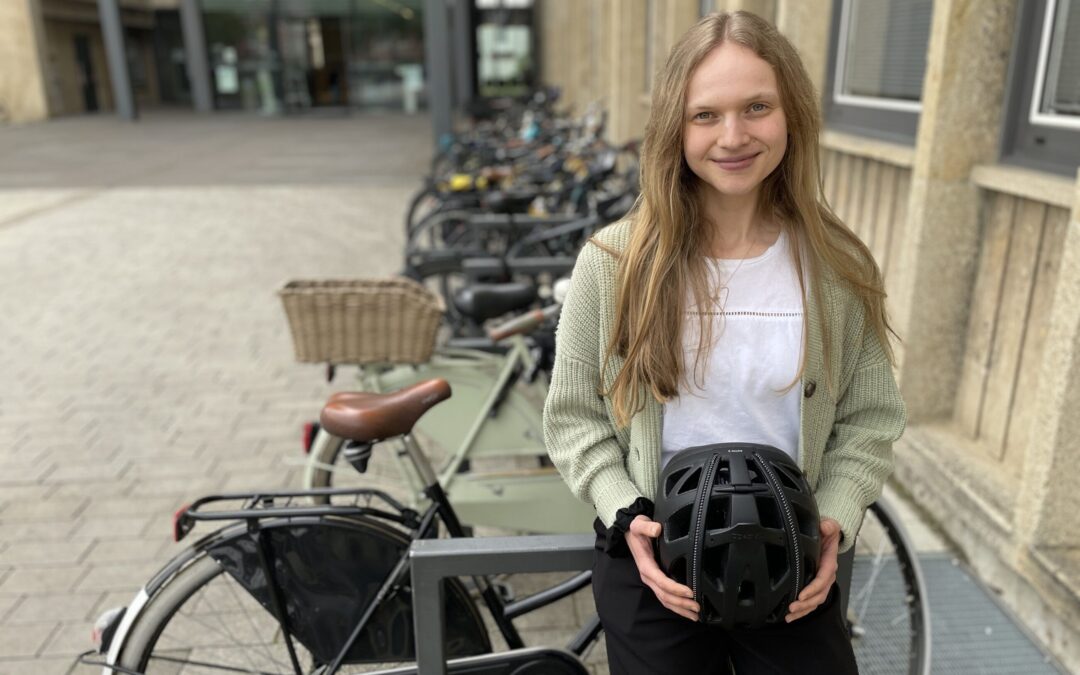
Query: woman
[(731, 305)]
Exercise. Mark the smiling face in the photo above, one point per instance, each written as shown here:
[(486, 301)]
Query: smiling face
[(734, 132)]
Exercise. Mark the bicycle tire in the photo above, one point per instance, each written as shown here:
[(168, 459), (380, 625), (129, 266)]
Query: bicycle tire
[(185, 618), (417, 205), (324, 454), (887, 608), (446, 227)]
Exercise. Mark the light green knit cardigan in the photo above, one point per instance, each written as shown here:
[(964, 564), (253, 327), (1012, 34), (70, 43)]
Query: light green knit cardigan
[(847, 430)]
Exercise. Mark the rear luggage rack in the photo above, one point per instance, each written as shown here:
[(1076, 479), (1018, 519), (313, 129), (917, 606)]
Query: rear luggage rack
[(345, 502)]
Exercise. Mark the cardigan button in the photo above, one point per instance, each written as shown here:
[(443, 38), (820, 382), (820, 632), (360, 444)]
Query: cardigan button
[(811, 387)]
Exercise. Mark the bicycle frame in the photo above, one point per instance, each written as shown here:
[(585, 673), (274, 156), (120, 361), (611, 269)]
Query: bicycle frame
[(495, 411), (490, 388)]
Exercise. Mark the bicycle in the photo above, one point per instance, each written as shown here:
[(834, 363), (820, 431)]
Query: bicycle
[(495, 413), (315, 587)]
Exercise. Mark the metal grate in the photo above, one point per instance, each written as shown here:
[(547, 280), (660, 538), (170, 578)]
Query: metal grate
[(972, 632)]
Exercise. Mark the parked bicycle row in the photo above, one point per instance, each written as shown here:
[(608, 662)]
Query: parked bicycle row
[(533, 159), (514, 200)]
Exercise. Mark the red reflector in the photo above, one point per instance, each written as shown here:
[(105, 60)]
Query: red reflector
[(180, 524), (310, 429)]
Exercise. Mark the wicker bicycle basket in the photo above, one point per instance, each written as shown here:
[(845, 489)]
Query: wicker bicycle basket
[(362, 320)]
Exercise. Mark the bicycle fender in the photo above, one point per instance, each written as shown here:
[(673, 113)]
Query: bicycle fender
[(133, 609), (138, 604)]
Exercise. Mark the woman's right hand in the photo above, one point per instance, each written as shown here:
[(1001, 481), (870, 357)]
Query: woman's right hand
[(671, 594)]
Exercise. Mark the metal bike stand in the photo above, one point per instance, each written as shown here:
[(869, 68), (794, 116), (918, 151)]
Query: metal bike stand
[(432, 560)]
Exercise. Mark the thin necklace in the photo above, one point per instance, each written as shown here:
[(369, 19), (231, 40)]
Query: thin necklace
[(724, 291)]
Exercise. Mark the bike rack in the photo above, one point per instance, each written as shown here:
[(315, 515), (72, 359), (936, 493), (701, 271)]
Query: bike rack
[(432, 560)]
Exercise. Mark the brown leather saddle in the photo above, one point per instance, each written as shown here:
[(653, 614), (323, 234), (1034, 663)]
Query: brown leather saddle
[(364, 416)]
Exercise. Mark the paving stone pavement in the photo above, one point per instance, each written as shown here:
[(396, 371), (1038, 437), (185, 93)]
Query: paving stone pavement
[(145, 358)]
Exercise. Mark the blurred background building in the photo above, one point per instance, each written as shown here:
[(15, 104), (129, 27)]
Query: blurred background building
[(951, 146), (269, 56)]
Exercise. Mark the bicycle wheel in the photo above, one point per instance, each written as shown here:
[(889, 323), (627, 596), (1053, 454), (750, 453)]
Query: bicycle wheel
[(887, 610), (213, 615), (425, 202)]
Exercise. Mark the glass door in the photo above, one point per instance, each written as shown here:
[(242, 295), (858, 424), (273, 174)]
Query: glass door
[(293, 55)]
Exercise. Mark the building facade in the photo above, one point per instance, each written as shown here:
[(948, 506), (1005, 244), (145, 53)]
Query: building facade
[(267, 56), (951, 147)]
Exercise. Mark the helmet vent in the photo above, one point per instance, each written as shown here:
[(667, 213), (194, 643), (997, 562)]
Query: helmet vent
[(746, 595), (678, 525), (769, 513), (681, 482), (805, 520), (789, 481), (719, 513), (776, 559)]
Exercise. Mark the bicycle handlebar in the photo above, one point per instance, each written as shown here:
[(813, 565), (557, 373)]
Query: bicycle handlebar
[(524, 323)]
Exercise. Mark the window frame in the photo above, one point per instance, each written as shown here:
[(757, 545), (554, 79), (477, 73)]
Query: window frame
[(892, 120), (1029, 138)]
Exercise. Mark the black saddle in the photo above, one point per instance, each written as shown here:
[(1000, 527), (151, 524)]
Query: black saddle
[(481, 302)]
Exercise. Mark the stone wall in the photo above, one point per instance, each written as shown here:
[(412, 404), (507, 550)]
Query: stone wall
[(597, 52)]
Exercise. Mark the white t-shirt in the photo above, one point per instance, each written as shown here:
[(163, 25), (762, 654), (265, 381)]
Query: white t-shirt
[(756, 352)]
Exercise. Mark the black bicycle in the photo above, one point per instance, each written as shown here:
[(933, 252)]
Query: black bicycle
[(291, 586)]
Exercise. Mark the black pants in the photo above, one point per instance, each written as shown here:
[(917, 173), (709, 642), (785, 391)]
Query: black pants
[(645, 638)]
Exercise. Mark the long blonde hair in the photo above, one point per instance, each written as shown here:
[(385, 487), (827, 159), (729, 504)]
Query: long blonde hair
[(669, 232)]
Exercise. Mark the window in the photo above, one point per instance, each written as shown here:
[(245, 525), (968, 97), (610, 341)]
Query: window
[(877, 60), (1042, 103)]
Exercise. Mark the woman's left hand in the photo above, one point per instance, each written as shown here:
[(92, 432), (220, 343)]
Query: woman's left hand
[(815, 593)]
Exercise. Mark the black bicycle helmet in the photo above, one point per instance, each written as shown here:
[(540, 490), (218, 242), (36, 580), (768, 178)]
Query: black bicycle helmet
[(740, 528)]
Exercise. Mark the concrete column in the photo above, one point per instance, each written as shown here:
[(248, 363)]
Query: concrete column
[(807, 24), (112, 29), (196, 61), (965, 80), (23, 93), (573, 50), (1048, 502), (591, 50), (625, 23), (438, 57), (584, 34), (463, 52)]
